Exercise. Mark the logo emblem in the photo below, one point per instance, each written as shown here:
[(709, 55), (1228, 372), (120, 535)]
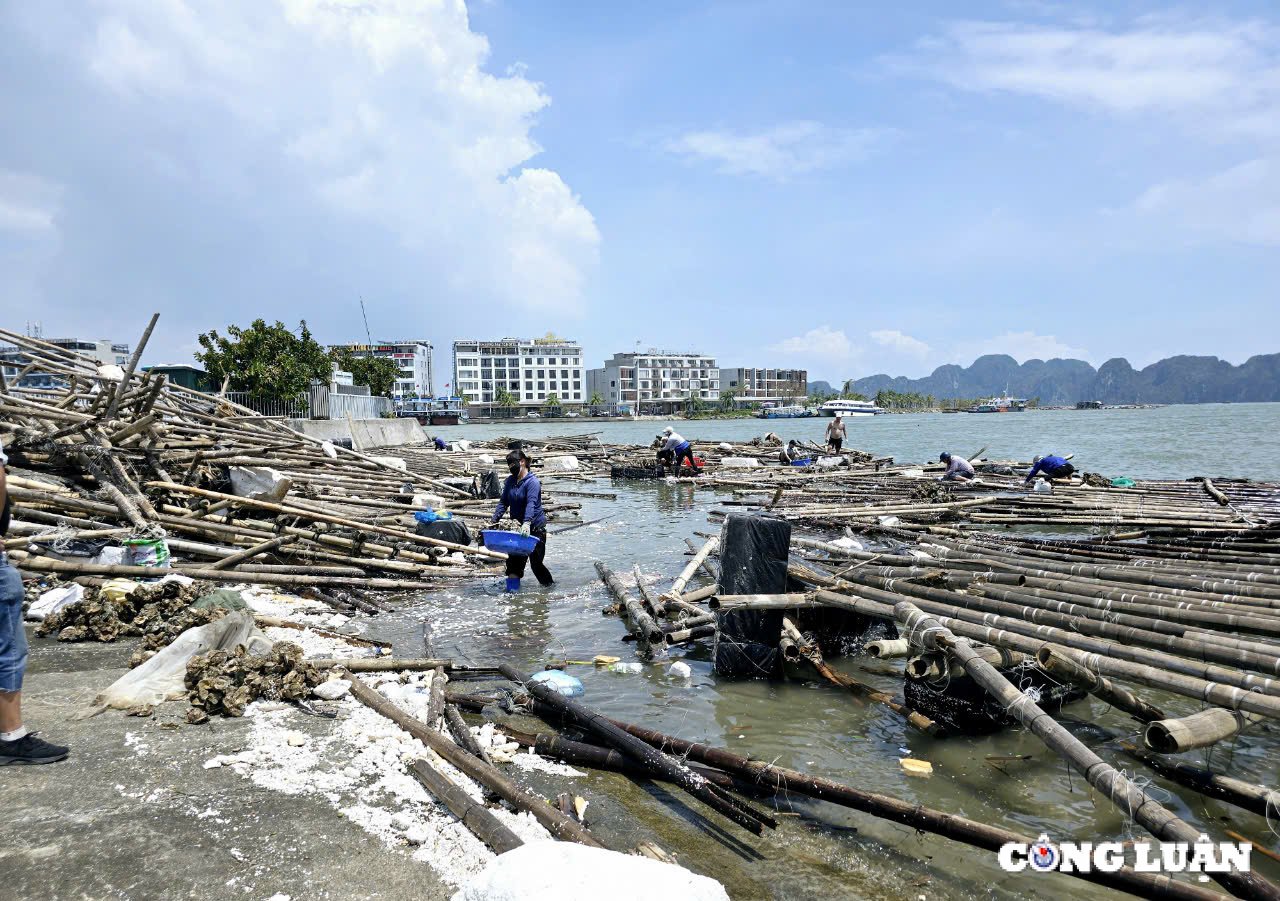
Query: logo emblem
[(1043, 855)]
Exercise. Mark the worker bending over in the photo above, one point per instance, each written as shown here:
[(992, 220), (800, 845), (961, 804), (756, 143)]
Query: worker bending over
[(958, 468), (1051, 467), (676, 449)]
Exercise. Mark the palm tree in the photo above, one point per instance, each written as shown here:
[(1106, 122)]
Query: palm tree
[(553, 401), (727, 398), (595, 400)]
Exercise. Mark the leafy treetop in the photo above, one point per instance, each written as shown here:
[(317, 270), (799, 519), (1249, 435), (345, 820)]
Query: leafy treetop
[(264, 360)]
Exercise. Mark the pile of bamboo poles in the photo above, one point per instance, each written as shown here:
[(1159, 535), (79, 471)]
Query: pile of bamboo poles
[(107, 455)]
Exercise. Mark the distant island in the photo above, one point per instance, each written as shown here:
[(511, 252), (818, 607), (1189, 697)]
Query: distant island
[(1057, 382)]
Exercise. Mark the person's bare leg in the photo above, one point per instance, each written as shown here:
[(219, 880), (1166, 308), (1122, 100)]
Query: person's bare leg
[(10, 710)]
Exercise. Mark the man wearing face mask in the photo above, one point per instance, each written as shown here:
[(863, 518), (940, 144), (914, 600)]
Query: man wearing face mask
[(522, 496)]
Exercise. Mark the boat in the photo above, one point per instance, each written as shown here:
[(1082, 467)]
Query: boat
[(434, 411), (793, 411), (844, 408), (1089, 405), (1002, 404)]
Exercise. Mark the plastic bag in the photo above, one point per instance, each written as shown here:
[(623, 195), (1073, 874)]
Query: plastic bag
[(259, 483), (146, 552), (567, 685), (162, 678), (54, 600)]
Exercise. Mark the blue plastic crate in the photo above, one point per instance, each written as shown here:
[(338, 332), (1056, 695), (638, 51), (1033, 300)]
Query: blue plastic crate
[(509, 542)]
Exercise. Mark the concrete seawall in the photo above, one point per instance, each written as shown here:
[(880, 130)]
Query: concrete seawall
[(364, 433)]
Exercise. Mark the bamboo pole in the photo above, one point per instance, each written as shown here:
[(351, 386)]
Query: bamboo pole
[(1133, 802), (556, 823), (655, 761), (908, 813)]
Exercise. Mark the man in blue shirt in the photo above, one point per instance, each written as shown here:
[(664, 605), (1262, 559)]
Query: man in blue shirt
[(1052, 467), (522, 497)]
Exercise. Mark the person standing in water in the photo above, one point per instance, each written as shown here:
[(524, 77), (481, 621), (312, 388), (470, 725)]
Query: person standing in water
[(835, 434), (522, 496)]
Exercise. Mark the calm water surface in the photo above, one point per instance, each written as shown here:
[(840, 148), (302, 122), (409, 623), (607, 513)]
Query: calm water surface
[(819, 729)]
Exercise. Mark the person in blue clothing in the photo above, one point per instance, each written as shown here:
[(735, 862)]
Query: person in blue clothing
[(522, 497), (439, 443), (677, 450), (1051, 467)]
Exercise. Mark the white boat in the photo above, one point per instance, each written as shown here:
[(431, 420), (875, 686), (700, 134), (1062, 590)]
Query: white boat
[(785, 412), (844, 408)]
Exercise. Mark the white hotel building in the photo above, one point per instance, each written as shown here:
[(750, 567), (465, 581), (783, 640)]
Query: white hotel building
[(413, 359), (531, 371), (661, 381)]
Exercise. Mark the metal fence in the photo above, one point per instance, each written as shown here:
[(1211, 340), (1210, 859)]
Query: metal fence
[(291, 408), (319, 403)]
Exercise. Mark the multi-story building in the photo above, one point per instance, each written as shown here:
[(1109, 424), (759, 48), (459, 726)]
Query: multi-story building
[(756, 385), (529, 371), (654, 380), (12, 359), (416, 377)]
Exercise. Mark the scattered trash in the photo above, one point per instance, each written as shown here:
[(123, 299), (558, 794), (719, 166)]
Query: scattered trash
[(916, 767), (562, 682)]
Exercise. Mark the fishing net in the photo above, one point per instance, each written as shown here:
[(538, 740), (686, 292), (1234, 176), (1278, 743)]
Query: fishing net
[(963, 707)]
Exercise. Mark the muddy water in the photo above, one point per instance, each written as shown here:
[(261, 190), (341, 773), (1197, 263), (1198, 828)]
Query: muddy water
[(826, 851)]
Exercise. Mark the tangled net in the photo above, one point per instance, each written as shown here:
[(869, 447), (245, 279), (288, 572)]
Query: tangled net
[(228, 681)]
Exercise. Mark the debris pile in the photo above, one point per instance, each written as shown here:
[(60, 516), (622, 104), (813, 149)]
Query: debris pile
[(129, 609), (226, 682)]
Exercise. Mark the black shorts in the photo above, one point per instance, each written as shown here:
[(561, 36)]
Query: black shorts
[(835, 444)]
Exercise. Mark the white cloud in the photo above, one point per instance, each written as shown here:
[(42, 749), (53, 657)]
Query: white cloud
[(381, 109), (1240, 204), (1022, 346), (896, 340), (1205, 70), (28, 204), (790, 149), (822, 343)]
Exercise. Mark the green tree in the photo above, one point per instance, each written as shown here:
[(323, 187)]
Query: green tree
[(379, 373), (553, 401), (264, 360), (596, 400), (728, 397)]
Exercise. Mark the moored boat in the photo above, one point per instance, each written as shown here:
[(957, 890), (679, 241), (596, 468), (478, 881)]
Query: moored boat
[(842, 408)]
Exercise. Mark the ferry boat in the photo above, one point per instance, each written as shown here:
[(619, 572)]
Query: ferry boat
[(434, 411), (787, 412), (1002, 404), (848, 408)]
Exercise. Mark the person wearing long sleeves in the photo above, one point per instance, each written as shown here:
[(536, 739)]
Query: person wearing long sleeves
[(1051, 467), (522, 498), (679, 449), (958, 468)]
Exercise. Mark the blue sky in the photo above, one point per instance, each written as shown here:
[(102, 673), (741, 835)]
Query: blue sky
[(854, 187)]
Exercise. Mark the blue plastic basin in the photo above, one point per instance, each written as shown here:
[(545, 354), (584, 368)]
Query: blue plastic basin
[(509, 542)]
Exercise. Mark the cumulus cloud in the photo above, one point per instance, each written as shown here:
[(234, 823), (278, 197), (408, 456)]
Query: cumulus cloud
[(1240, 204), (376, 117), (823, 343), (1227, 72), (896, 340), (1022, 346), (787, 150)]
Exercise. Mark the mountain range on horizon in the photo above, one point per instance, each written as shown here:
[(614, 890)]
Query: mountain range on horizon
[(1174, 380)]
